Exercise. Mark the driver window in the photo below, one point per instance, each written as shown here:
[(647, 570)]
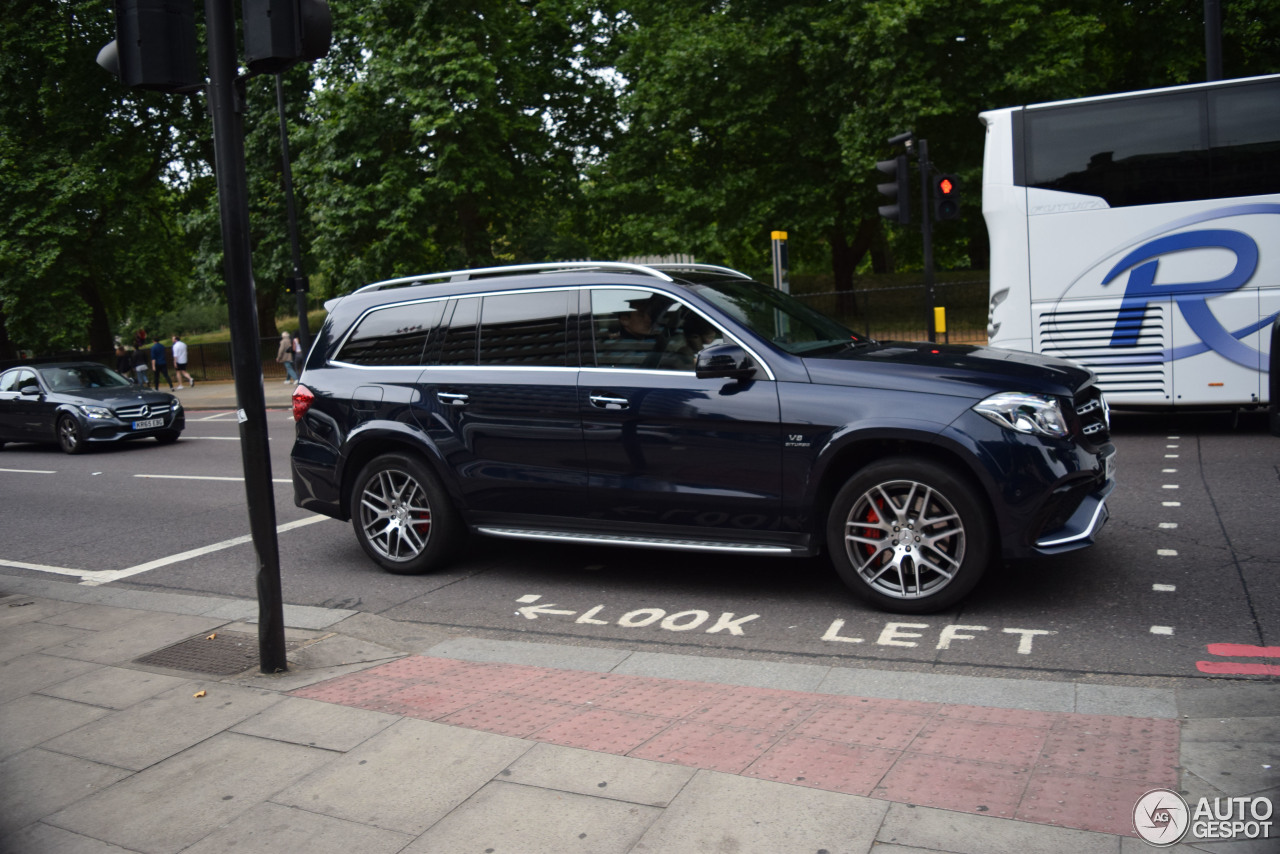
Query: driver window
[(635, 328)]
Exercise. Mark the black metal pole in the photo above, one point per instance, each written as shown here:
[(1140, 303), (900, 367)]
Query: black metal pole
[(226, 102), (926, 229), (1213, 39), (295, 244)]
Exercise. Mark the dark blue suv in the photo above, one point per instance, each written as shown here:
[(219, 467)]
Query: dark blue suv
[(688, 408)]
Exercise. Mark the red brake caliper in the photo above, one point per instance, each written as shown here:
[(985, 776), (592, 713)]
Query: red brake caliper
[(872, 533)]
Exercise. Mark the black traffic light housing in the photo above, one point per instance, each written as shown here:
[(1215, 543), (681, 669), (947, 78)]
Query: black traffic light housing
[(155, 46), (896, 190), (946, 197), (279, 34)]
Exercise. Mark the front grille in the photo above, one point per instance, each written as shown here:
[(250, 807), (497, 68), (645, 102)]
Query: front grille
[(1093, 415), (141, 410), (1124, 347)]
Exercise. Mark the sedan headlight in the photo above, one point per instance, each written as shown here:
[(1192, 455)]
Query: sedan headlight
[(1026, 413), (175, 406), (96, 411)]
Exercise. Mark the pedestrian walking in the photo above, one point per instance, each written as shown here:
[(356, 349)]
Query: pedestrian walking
[(124, 363), (298, 356), (160, 364), (284, 355), (180, 361), (140, 366)]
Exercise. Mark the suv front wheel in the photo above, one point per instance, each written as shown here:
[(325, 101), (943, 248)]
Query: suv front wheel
[(402, 517), (909, 535)]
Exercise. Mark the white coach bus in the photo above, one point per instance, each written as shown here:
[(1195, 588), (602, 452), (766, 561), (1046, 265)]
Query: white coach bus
[(1139, 234)]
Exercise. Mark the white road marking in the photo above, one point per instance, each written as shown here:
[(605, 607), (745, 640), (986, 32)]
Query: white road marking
[(39, 567), (214, 438), (1164, 588), (203, 477), (30, 471), (1171, 503), (1162, 630), (1168, 524), (1167, 552), (1168, 471), (92, 577)]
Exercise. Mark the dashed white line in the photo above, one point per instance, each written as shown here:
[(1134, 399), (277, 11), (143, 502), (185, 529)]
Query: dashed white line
[(1171, 503), (30, 471), (1168, 471), (1162, 630), (1167, 552), (1164, 588), (1170, 486), (1168, 524)]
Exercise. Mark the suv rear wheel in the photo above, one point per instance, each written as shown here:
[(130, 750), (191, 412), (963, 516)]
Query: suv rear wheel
[(402, 517), (909, 535)]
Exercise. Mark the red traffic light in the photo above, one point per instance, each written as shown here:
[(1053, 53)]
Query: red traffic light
[(946, 197)]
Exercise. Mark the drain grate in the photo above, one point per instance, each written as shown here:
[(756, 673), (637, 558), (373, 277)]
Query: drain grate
[(225, 654)]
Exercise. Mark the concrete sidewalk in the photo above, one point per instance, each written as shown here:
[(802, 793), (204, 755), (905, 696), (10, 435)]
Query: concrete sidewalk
[(137, 721), (222, 395)]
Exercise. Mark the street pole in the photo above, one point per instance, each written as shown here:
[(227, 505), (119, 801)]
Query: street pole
[(926, 228), (226, 104), (295, 244), (1213, 39)]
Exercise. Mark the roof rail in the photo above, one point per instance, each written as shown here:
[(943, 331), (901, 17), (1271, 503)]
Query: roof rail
[(515, 269), (706, 268)]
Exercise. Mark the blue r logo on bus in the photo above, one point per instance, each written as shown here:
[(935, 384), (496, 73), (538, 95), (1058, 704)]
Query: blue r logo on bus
[(1190, 297)]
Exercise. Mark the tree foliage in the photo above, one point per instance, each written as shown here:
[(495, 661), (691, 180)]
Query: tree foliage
[(87, 232)]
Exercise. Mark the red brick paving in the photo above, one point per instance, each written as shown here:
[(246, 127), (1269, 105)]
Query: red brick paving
[(1070, 770)]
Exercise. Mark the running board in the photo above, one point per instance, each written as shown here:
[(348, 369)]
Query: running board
[(645, 542)]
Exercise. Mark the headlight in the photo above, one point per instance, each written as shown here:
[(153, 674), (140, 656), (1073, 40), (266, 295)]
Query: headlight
[(96, 411), (1026, 413), (175, 406)]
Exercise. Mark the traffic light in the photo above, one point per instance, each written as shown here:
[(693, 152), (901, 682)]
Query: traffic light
[(946, 197), (155, 46), (278, 34), (897, 190)]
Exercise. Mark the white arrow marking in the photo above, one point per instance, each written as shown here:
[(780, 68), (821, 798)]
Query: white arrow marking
[(531, 612)]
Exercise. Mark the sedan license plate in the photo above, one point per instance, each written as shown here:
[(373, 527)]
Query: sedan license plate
[(1109, 467), (148, 424)]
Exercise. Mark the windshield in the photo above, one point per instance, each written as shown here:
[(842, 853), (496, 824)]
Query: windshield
[(790, 324), (82, 376)]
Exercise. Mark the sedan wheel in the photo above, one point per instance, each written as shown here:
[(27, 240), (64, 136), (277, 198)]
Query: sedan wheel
[(70, 436), (402, 517), (909, 536)]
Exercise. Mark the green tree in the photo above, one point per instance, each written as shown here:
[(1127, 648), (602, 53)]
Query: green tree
[(88, 234), (448, 135), (744, 116)]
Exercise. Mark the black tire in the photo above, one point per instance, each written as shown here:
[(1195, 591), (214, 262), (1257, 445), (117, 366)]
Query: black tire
[(909, 536), (70, 436), (402, 517), (168, 437)]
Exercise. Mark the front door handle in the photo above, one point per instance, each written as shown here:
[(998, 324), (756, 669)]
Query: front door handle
[(452, 398), (605, 401)]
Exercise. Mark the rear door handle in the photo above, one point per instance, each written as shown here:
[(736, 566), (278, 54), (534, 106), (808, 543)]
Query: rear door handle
[(452, 398), (604, 401)]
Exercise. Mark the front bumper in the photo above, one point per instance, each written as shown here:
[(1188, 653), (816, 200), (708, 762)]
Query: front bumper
[(119, 429)]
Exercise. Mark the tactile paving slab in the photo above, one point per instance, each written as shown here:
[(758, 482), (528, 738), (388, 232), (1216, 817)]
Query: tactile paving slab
[(1056, 768)]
